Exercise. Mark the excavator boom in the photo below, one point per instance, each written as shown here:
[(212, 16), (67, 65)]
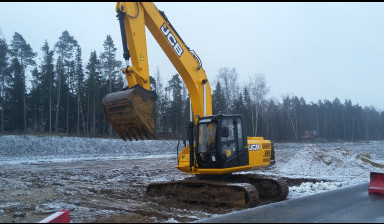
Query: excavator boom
[(131, 117)]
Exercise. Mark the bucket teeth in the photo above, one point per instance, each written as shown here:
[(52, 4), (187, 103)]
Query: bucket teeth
[(129, 112)]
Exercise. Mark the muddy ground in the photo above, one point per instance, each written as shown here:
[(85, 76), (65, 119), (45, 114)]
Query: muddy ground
[(95, 191), (104, 180)]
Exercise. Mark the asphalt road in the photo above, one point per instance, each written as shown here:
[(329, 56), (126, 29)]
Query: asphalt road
[(345, 205)]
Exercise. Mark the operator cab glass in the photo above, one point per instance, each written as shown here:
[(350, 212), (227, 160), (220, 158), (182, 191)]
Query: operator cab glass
[(221, 142), (207, 142)]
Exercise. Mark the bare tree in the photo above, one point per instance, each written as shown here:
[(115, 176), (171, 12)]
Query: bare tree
[(258, 89), (290, 108), (228, 81)]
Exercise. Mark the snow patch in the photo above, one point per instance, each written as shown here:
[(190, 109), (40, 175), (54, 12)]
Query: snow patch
[(350, 163), (171, 220), (308, 188), (28, 149)]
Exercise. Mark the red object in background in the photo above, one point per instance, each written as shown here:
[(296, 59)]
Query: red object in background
[(59, 217), (376, 184)]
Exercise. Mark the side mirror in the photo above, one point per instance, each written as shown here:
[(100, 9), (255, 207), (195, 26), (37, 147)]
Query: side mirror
[(224, 132)]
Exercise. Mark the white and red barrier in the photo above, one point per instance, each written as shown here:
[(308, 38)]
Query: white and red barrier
[(376, 184), (61, 216)]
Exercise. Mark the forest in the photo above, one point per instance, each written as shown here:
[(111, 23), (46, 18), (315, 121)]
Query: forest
[(61, 95)]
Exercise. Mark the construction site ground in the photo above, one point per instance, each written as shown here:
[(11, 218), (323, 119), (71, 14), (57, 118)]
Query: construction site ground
[(113, 189)]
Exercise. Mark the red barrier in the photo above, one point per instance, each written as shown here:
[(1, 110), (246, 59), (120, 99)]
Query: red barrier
[(59, 217), (376, 185)]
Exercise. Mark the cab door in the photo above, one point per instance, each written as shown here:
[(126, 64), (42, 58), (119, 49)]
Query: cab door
[(232, 152), (206, 150)]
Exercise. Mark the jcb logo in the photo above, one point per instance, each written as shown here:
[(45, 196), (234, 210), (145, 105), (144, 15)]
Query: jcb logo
[(254, 147), (171, 39)]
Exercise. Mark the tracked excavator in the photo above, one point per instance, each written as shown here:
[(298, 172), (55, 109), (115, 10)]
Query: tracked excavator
[(218, 144)]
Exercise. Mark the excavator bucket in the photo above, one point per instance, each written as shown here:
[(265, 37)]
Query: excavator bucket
[(129, 112), (376, 184)]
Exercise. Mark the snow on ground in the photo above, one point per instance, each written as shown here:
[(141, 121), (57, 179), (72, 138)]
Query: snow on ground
[(343, 163), (336, 164), (336, 161), (332, 165), (16, 149)]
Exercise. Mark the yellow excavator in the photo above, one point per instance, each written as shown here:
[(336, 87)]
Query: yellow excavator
[(218, 144)]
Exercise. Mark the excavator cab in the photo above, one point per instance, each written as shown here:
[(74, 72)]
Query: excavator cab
[(222, 142)]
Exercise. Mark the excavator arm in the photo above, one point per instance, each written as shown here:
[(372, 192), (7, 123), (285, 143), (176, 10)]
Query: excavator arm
[(130, 111), (185, 61), (136, 16)]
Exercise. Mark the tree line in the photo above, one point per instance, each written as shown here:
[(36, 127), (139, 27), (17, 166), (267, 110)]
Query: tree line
[(292, 118), (63, 96), (64, 93)]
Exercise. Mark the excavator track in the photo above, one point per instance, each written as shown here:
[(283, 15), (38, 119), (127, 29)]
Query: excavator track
[(208, 192), (232, 191), (270, 189)]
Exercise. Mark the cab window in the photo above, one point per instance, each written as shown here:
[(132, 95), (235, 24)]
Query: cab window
[(207, 137), (228, 143)]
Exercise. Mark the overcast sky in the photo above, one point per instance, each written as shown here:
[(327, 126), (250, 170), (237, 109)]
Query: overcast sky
[(317, 50)]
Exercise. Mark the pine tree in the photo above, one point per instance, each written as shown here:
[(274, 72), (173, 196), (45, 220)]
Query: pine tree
[(111, 69), (272, 120), (4, 77), (80, 86), (94, 92), (238, 105), (36, 102), (161, 105), (59, 86), (21, 50), (45, 85), (219, 104), (65, 48), (16, 97), (175, 110), (247, 109), (110, 65)]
